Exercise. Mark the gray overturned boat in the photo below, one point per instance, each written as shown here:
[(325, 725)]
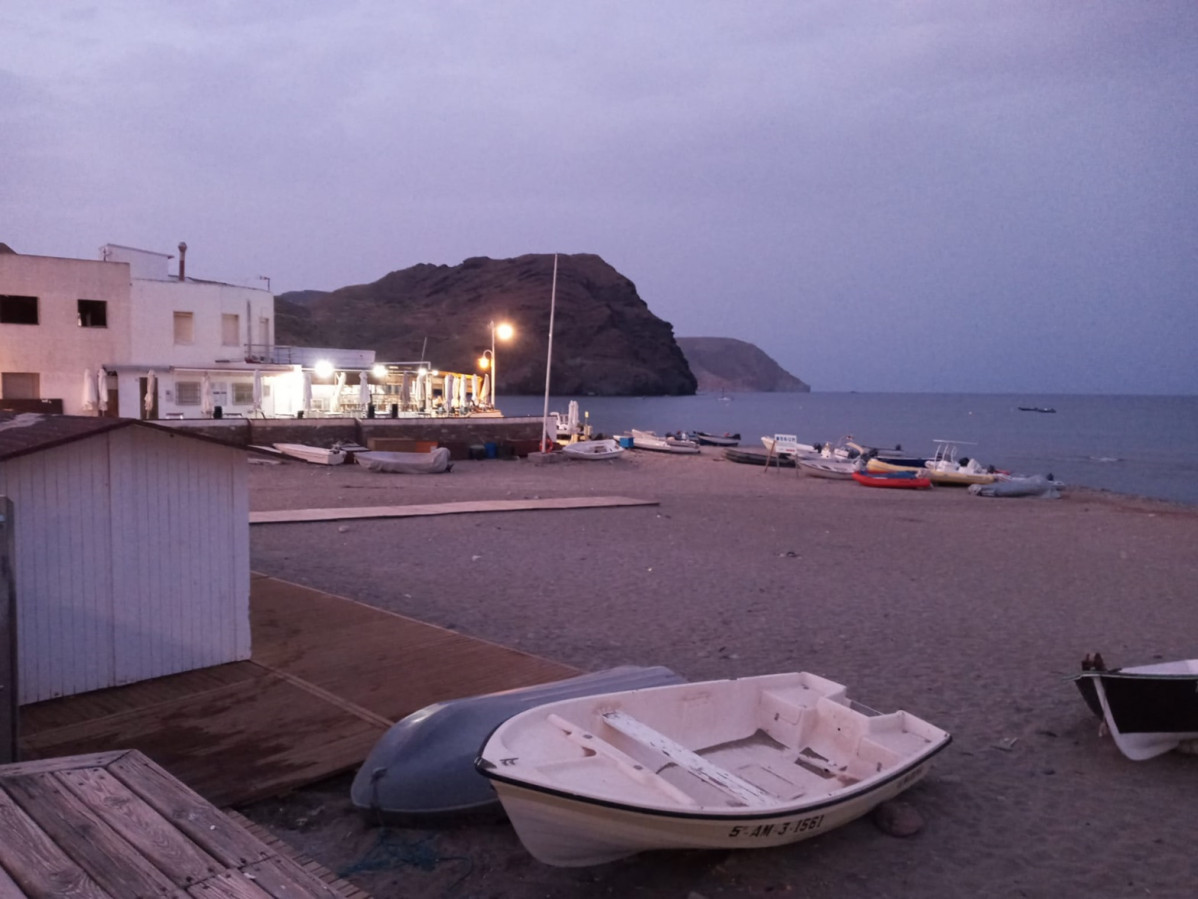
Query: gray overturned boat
[(423, 766), (434, 461)]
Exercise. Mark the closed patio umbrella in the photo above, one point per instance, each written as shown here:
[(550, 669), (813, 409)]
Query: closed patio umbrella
[(207, 404), (475, 380), (364, 388), (90, 396), (151, 391), (102, 390), (338, 386), (257, 390), (447, 395), (306, 392)]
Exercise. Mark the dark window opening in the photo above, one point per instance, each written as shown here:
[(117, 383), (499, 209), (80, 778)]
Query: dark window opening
[(93, 314), (16, 310)]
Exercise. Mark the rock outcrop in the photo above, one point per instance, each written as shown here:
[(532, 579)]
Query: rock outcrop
[(606, 342), (722, 364)]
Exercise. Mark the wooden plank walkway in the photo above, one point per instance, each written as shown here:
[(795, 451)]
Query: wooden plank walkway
[(116, 826), (327, 678), (455, 508)]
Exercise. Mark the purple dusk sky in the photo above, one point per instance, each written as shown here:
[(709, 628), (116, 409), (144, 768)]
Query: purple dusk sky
[(883, 196)]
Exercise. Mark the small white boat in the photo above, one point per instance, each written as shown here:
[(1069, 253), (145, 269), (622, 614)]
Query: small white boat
[(833, 468), (651, 440), (1148, 709), (593, 449), (743, 763), (318, 455), (434, 461)]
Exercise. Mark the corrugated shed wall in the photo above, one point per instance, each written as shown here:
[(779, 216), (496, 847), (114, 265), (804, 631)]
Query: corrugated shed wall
[(132, 560)]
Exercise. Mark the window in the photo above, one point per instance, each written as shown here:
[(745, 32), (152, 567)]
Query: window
[(15, 310), (243, 394), (185, 329), (17, 385), (230, 330), (187, 393), (93, 314)]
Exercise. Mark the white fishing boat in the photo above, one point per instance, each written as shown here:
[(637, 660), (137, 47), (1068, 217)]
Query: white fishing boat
[(651, 440), (317, 455), (743, 763), (593, 449), (434, 461)]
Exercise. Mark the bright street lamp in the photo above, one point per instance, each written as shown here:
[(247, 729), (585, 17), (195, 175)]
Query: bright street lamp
[(503, 331)]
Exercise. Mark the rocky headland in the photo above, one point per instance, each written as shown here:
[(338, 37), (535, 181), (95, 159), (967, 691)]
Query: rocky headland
[(606, 342)]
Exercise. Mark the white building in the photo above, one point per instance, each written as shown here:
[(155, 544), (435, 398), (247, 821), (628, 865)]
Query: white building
[(130, 551), (122, 337)]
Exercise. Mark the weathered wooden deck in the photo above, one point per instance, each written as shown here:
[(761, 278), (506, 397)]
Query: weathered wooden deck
[(116, 826), (327, 677)]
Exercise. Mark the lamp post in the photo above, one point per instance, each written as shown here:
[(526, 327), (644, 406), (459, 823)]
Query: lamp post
[(503, 331)]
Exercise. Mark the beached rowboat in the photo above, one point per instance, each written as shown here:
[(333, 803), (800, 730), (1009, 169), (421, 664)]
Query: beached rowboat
[(434, 461), (593, 449), (742, 763), (1148, 709), (318, 455), (650, 440)]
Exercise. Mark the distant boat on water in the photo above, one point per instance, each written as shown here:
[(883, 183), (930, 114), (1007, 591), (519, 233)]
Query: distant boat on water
[(1036, 409)]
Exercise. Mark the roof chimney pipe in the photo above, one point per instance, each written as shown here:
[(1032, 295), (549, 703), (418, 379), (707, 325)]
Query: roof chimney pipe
[(182, 261)]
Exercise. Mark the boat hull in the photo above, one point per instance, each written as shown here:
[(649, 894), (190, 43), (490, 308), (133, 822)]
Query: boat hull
[(647, 440), (593, 449), (717, 439), (548, 823), (423, 766), (741, 763), (832, 469), (900, 480), (1149, 710)]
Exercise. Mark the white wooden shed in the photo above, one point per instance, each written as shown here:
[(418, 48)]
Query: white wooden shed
[(131, 551)]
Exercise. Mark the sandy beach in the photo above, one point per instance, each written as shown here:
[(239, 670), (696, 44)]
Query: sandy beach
[(970, 612)]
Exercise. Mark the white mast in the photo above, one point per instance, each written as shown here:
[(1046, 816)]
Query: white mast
[(549, 360)]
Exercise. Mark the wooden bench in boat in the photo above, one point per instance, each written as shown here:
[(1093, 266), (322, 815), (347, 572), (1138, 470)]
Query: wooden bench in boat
[(624, 762), (706, 771)]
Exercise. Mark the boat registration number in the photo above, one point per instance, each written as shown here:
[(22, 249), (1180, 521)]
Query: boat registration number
[(778, 829)]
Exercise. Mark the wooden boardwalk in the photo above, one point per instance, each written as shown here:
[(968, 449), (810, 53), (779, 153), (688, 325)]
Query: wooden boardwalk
[(328, 676), (456, 508), (117, 826)]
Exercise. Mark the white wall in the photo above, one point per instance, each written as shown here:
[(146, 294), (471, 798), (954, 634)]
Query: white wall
[(57, 348), (132, 559)]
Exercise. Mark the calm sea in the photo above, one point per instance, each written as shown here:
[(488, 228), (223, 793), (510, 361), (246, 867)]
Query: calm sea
[(1143, 445)]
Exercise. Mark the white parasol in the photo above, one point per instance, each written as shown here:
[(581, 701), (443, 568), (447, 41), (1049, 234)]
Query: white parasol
[(474, 382), (151, 390), (90, 396), (462, 393), (306, 392), (102, 389), (257, 390), (207, 404), (447, 394), (488, 400), (338, 386), (364, 389)]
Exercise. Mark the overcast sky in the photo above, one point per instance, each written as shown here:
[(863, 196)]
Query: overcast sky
[(899, 196)]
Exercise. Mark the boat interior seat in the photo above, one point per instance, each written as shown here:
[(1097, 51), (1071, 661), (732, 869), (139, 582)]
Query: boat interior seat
[(737, 787), (622, 761)]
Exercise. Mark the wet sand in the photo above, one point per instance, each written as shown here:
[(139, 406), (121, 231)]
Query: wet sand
[(970, 612)]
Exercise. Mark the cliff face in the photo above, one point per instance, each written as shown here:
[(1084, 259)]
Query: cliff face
[(724, 364), (606, 342)]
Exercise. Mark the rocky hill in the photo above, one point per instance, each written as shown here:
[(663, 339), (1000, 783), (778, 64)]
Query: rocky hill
[(722, 364), (606, 342)]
